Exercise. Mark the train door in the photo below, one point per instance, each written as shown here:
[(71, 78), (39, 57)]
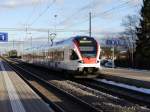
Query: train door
[(73, 60)]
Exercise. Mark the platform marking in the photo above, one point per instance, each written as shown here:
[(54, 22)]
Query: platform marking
[(16, 104)]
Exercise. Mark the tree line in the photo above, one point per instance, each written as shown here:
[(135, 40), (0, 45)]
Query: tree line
[(137, 33)]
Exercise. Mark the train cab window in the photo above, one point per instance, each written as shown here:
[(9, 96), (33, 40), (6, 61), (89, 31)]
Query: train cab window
[(87, 46), (73, 55)]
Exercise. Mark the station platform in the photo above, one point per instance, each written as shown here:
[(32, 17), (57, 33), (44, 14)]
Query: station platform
[(132, 76), (16, 95)]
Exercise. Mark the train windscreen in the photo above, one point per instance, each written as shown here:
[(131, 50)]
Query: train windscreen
[(87, 47)]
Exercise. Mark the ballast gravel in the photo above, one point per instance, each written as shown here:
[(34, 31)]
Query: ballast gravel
[(100, 100)]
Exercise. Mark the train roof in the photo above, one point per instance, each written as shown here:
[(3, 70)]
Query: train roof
[(64, 43), (69, 40)]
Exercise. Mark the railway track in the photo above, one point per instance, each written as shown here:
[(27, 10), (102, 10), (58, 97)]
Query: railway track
[(131, 95), (99, 86), (57, 98)]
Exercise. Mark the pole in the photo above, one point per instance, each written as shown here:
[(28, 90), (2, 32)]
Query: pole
[(31, 48), (13, 44), (90, 24), (48, 37), (55, 22), (31, 41), (132, 53), (113, 63), (22, 48)]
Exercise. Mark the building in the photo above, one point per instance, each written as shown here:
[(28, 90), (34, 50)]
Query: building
[(118, 46)]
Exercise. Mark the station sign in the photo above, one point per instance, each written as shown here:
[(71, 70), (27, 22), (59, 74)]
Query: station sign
[(3, 37), (115, 42)]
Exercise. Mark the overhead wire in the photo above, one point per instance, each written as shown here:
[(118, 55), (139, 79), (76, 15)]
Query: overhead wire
[(104, 12), (77, 12), (96, 3), (32, 13), (99, 14), (42, 13)]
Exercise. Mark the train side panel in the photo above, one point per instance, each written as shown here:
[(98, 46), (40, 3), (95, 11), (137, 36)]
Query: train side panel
[(79, 54)]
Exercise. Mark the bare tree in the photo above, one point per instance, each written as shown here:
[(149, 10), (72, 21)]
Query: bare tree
[(130, 23)]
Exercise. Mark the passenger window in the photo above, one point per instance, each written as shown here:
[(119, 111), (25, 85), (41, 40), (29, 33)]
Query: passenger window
[(73, 55)]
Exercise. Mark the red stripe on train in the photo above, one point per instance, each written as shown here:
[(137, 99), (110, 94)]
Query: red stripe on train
[(89, 60)]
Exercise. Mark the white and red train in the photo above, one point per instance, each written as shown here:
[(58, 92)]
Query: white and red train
[(78, 54)]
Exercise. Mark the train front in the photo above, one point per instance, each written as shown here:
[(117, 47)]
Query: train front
[(88, 51)]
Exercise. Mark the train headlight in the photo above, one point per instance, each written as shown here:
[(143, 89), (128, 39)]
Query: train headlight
[(98, 61)]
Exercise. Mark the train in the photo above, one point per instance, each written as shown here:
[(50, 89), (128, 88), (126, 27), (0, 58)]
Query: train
[(12, 54), (76, 55)]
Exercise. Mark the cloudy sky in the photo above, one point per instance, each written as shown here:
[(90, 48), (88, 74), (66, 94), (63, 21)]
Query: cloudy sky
[(72, 16)]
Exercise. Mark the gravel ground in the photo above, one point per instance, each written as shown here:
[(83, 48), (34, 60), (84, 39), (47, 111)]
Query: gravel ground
[(98, 99)]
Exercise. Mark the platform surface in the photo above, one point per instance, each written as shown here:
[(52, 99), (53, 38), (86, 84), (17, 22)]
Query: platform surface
[(16, 95), (143, 75)]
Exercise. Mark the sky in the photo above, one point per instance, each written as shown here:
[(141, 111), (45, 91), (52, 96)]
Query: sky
[(68, 17)]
